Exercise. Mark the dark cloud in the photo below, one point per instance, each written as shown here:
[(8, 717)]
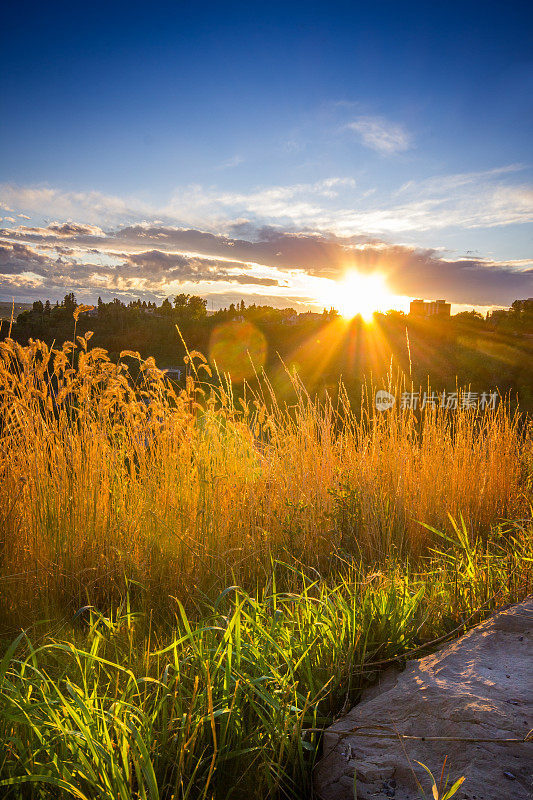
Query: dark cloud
[(426, 274), (267, 246), (161, 254), (16, 258), (155, 268), (308, 251), (174, 266), (64, 251), (155, 263), (74, 229), (251, 280)]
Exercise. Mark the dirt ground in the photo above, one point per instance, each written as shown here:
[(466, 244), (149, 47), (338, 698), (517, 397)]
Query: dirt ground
[(477, 690)]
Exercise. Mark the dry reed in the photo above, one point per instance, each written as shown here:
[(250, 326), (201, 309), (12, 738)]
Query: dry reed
[(110, 473)]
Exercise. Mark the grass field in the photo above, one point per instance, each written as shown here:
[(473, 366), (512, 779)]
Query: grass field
[(202, 578)]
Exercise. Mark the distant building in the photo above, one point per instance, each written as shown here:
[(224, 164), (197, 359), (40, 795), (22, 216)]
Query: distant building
[(432, 308), (418, 308), (290, 320), (174, 373), (307, 315)]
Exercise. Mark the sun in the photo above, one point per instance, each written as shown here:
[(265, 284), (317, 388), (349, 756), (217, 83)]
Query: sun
[(361, 294)]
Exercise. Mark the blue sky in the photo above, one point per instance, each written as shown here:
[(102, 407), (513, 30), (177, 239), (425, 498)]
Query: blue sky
[(371, 126)]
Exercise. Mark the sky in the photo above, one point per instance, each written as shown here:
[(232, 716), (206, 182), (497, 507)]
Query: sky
[(266, 151)]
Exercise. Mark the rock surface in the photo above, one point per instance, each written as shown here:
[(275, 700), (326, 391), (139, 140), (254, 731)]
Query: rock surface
[(478, 687)]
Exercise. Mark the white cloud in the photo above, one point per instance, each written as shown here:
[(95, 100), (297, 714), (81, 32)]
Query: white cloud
[(296, 203), (189, 205), (229, 163), (442, 184), (381, 135), (488, 198), (92, 207)]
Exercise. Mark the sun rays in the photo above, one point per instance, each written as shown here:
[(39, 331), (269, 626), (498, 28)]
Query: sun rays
[(361, 294)]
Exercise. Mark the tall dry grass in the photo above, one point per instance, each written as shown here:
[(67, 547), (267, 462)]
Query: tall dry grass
[(108, 475)]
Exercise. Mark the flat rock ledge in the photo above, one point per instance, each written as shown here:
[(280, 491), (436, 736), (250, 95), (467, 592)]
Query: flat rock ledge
[(479, 687)]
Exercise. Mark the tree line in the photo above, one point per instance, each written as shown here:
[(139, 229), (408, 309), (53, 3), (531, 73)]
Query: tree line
[(492, 353)]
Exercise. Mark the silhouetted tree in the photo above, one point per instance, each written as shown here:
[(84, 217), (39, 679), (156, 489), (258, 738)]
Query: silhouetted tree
[(181, 301), (69, 303), (197, 307)]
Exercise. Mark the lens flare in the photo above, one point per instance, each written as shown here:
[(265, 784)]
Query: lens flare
[(237, 348)]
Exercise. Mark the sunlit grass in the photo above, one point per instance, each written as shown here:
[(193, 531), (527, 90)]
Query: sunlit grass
[(186, 491), (202, 580), (230, 705)]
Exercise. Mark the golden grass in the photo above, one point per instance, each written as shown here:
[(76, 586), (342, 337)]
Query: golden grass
[(104, 477)]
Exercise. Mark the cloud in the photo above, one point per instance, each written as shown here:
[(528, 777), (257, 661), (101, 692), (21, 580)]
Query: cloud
[(162, 267), (74, 229), (296, 203), (381, 135), (229, 163), (16, 258), (489, 198), (144, 259), (90, 269), (193, 204), (93, 207), (264, 245), (277, 236), (249, 280)]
